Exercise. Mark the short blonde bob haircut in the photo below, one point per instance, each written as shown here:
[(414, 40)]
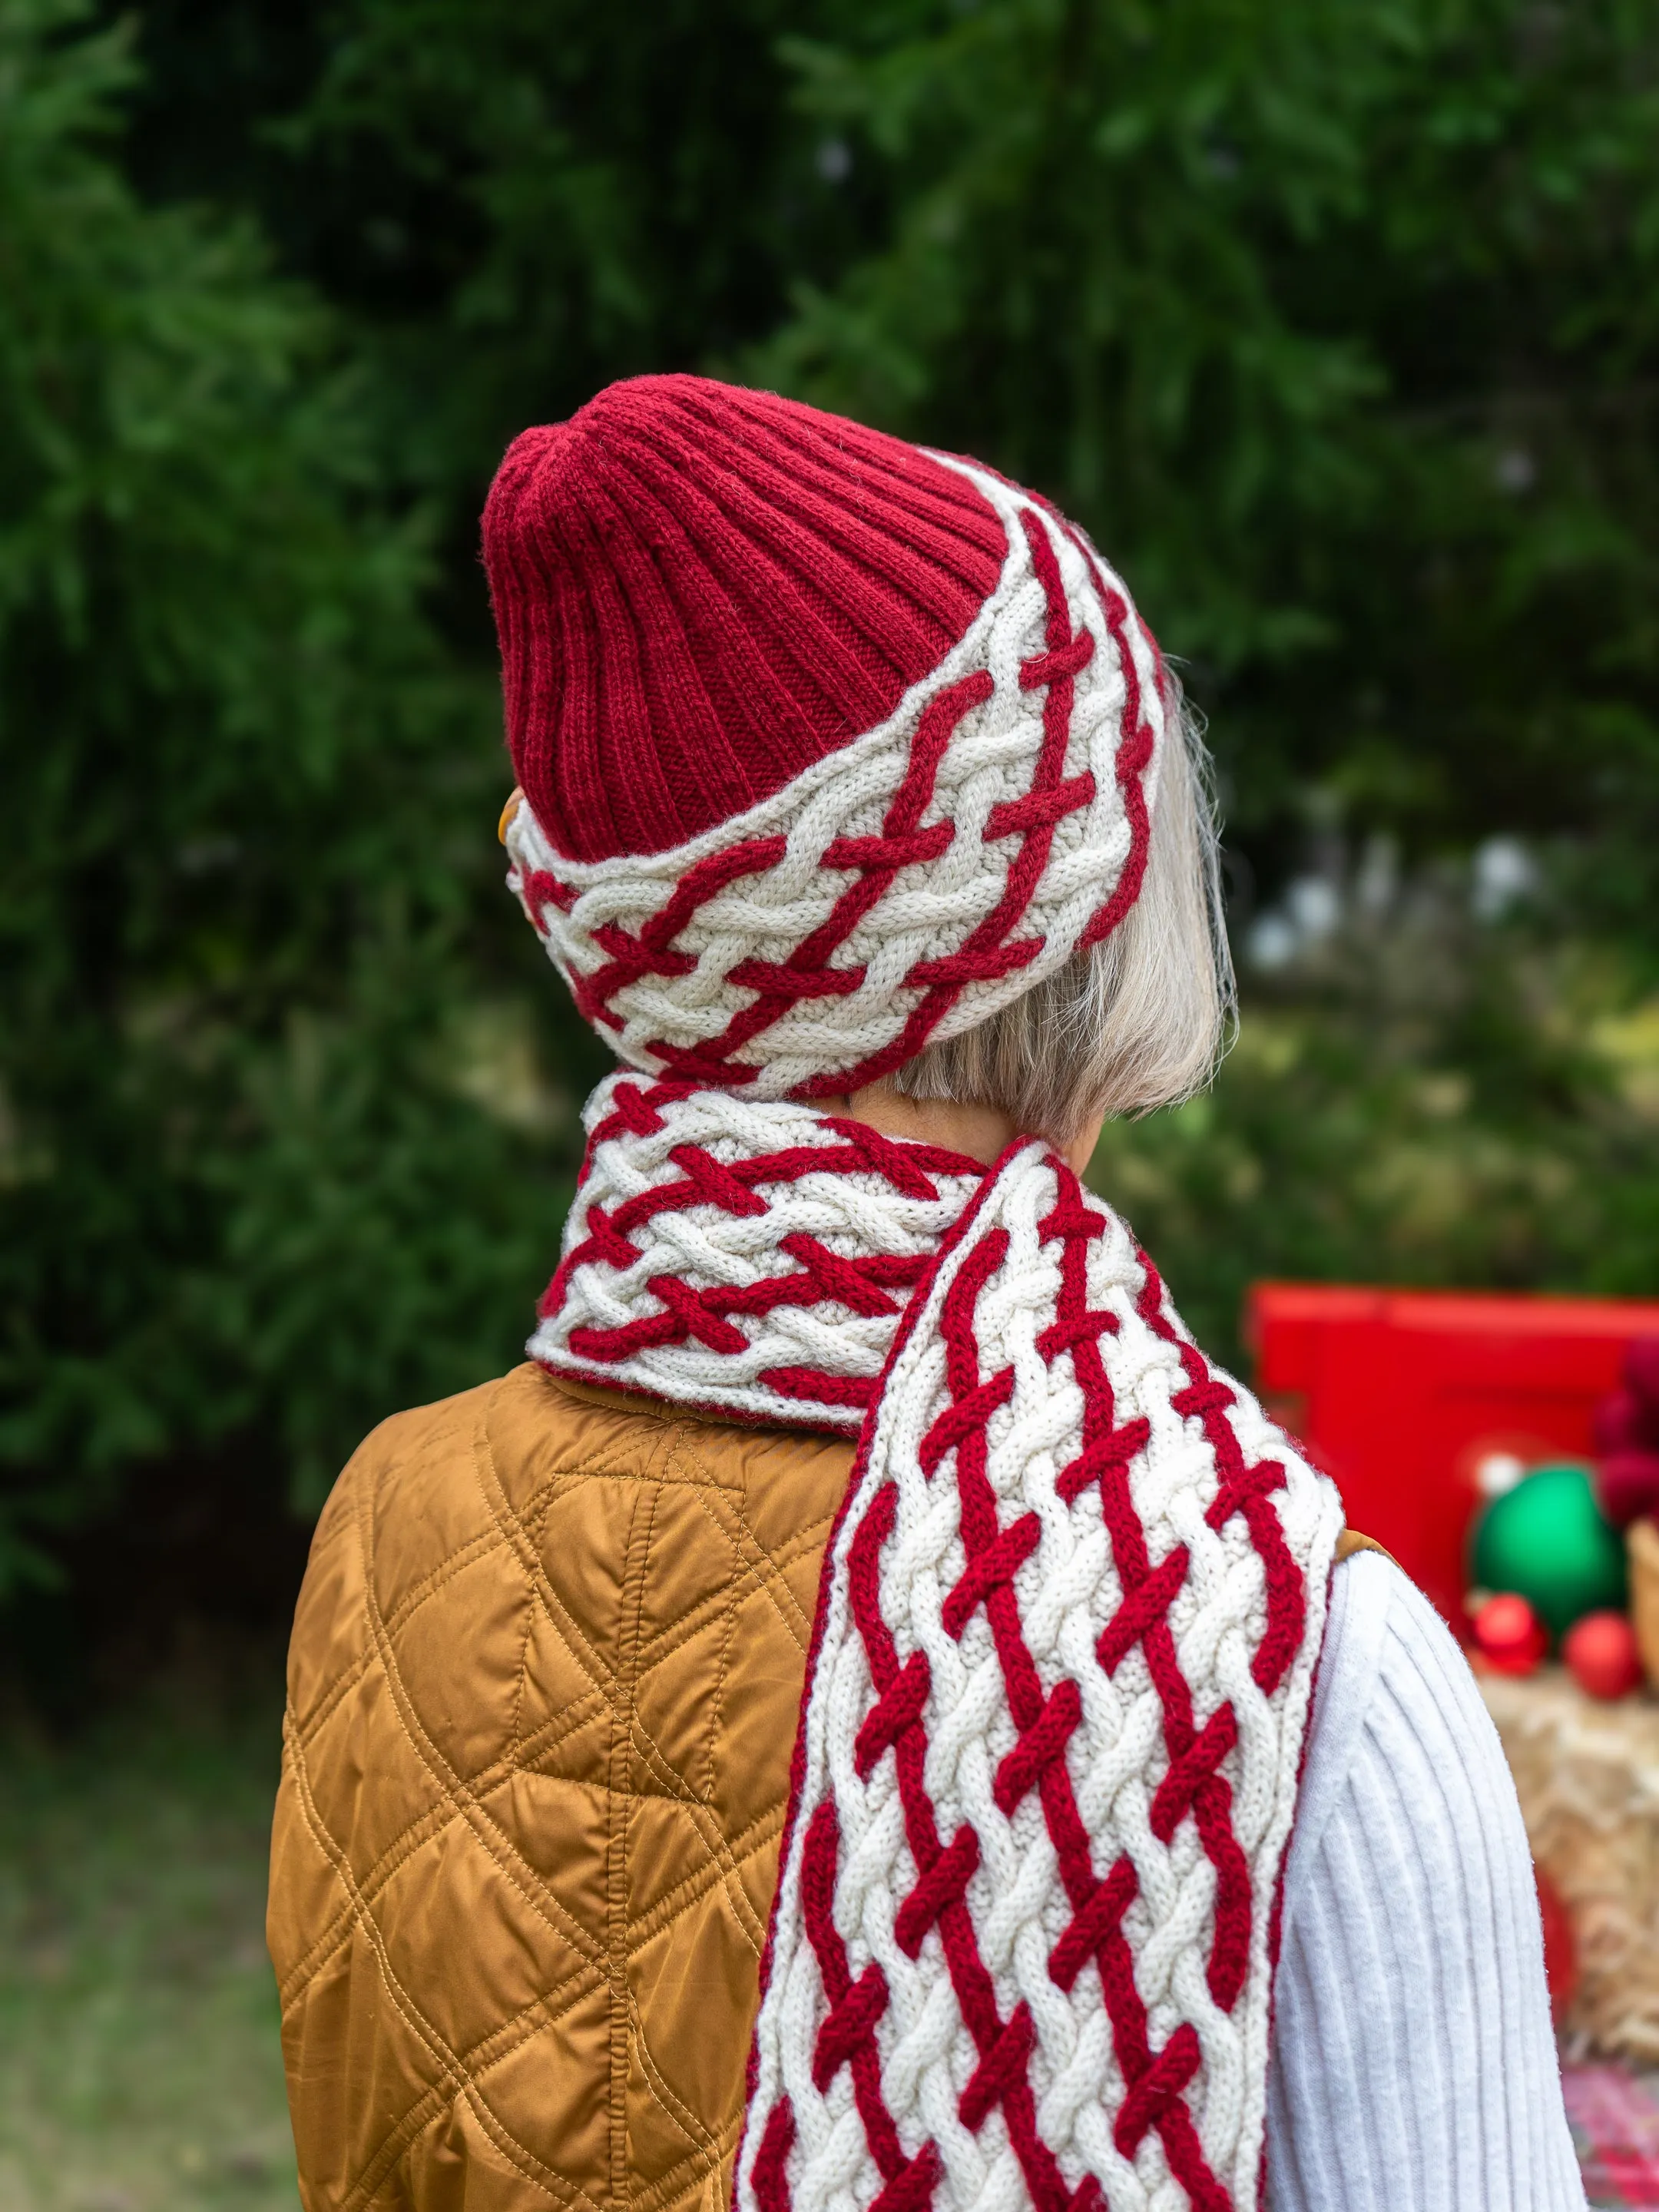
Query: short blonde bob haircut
[(1138, 1022)]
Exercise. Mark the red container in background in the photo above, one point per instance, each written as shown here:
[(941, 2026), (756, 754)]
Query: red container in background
[(1401, 1394)]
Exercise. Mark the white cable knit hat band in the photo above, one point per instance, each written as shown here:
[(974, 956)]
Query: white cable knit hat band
[(900, 889)]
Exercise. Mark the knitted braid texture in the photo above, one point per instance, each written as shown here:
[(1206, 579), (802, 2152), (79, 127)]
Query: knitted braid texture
[(905, 887), (1056, 1702), (747, 1257), (1021, 1947)]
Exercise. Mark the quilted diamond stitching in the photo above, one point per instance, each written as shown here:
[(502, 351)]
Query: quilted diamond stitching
[(715, 1860)]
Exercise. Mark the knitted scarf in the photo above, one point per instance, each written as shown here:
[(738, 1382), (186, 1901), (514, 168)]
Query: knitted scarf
[(1057, 1695)]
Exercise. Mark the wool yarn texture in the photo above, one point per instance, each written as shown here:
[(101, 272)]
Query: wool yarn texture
[(745, 1257), (1057, 1695), (904, 886), (1055, 1704)]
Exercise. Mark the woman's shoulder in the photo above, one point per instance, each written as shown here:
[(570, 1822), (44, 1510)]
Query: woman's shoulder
[(1395, 1698)]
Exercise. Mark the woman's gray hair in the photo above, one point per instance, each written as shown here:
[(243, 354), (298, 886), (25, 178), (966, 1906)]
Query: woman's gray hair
[(1138, 1022)]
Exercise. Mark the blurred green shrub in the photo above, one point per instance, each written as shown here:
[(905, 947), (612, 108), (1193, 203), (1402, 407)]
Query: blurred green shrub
[(1416, 1096), (245, 809)]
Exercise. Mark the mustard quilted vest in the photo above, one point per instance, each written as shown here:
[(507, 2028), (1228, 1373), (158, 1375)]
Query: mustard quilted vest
[(543, 1692)]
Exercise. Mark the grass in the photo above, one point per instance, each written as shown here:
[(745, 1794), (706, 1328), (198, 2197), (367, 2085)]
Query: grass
[(139, 2061)]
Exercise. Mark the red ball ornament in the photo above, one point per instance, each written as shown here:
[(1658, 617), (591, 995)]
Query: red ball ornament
[(1623, 1423), (1642, 1370), (1601, 1655), (1508, 1635), (1627, 1483)]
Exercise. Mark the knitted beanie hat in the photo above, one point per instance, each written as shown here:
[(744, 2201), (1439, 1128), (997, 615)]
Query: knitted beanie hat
[(830, 745)]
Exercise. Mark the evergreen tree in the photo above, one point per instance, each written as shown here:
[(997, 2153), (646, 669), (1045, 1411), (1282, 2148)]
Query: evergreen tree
[(244, 807)]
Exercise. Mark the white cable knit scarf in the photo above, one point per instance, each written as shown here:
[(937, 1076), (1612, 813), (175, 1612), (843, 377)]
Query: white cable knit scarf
[(1057, 1691)]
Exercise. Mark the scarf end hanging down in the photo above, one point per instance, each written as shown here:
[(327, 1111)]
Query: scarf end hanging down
[(1059, 1686)]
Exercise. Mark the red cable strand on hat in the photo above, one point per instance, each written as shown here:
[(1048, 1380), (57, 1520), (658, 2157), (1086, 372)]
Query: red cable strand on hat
[(991, 950)]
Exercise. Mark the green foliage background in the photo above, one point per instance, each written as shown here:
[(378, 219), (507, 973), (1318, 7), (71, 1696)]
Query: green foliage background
[(1335, 321)]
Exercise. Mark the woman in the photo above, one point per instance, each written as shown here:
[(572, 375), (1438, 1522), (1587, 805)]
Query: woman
[(839, 1726)]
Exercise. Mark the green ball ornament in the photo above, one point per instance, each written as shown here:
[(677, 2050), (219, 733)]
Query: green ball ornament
[(1548, 1540)]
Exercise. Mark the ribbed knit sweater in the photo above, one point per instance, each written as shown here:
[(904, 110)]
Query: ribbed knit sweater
[(1414, 2068)]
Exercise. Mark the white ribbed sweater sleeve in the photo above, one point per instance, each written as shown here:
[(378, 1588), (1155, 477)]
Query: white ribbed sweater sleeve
[(1414, 2069)]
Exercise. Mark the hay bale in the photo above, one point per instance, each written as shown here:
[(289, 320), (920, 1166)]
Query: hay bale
[(1588, 1776)]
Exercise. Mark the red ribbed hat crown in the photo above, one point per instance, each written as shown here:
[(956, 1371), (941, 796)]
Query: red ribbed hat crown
[(700, 590)]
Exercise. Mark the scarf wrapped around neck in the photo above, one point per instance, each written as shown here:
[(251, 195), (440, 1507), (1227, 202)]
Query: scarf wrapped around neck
[(831, 747), (1058, 1689)]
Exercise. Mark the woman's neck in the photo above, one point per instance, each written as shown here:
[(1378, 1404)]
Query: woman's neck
[(980, 1132)]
